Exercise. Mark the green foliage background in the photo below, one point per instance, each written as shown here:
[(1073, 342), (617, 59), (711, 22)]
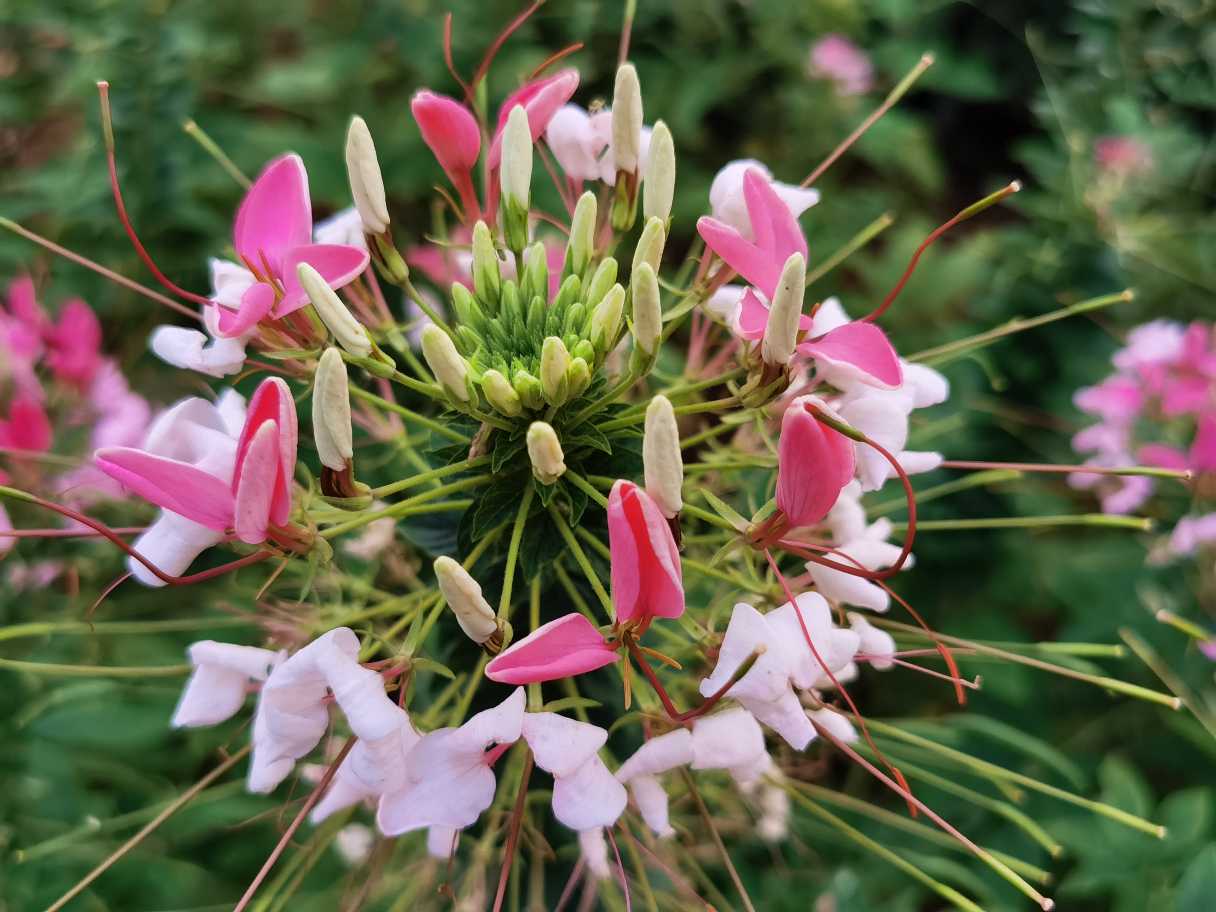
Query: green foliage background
[(1019, 91)]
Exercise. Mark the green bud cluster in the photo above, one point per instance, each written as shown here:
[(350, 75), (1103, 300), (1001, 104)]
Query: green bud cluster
[(525, 352)]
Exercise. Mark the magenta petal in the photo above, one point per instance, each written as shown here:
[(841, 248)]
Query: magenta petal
[(541, 100), (645, 565), (272, 401), (753, 316), (450, 131), (567, 646), (255, 483), (28, 427), (76, 343), (773, 224), (864, 348), (1162, 456), (275, 214), (814, 462), (176, 486), (740, 254), (1203, 448), (338, 264), (256, 304)]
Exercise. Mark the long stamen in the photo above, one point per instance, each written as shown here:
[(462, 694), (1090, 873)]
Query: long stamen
[(447, 59), (554, 58), (1183, 475), (495, 46), (620, 866), (517, 817), (107, 127), (974, 209)]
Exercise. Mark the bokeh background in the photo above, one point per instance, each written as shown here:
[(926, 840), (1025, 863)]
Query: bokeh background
[(1019, 90)]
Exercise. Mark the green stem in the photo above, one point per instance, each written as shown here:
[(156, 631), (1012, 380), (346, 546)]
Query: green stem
[(1096, 520), (517, 534), (425, 477), (714, 405), (67, 628), (607, 399), (437, 426), (586, 487), (705, 516), (403, 507), (580, 558), (851, 246), (97, 671)]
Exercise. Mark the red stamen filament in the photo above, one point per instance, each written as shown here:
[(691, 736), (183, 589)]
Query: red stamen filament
[(491, 52), (103, 90), (447, 59)]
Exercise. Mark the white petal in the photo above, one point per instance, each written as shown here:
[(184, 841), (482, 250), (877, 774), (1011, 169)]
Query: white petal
[(441, 841), (453, 790), (768, 676), (344, 227), (835, 724), (658, 755), (588, 797), (726, 739), (917, 462), (846, 588), (829, 315), (651, 800), (574, 144), (797, 199), (927, 386), (594, 850), (188, 349), (786, 717), (171, 544), (561, 745), (873, 642)]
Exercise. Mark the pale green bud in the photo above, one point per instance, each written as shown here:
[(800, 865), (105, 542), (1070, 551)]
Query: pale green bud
[(516, 178), (581, 246), (331, 425), (601, 280), (545, 453), (626, 118), (463, 595), (467, 310), (530, 391), (337, 318), (487, 268), (500, 394), (606, 319), (445, 362), (647, 310), (650, 244), (781, 331), (583, 349), (578, 376), (662, 462), (554, 361), (534, 279), (659, 182), (366, 182)]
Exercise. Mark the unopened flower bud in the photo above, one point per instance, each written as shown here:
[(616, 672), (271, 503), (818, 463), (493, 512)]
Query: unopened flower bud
[(463, 595), (781, 331), (331, 411), (445, 362), (530, 391), (606, 319), (647, 310), (500, 394), (337, 318), (554, 362), (659, 183), (578, 376), (662, 463), (582, 235), (583, 349), (467, 309), (534, 279), (487, 269), (516, 177), (650, 244), (626, 118), (601, 280), (366, 182), (545, 453)]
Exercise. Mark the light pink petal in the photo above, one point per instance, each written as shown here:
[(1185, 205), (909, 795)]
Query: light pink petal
[(338, 265), (1203, 449), (859, 350), (450, 131), (774, 227), (589, 797), (651, 800), (171, 544), (175, 486), (1185, 395), (814, 463), (658, 755), (753, 316), (560, 745), (1165, 457), (76, 343), (219, 684), (256, 303), (758, 266), (1116, 398), (255, 483), (275, 215), (272, 401), (561, 648), (725, 740), (541, 100), (23, 303)]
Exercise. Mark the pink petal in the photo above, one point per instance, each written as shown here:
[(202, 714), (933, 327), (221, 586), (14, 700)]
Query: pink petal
[(541, 100), (861, 349), (23, 303), (646, 575), (255, 483), (814, 462), (1165, 457), (28, 427), (338, 265), (1203, 450), (758, 266), (76, 343), (753, 316), (275, 214), (567, 646), (272, 402), (256, 303), (1118, 397), (175, 486), (774, 227), (450, 131)]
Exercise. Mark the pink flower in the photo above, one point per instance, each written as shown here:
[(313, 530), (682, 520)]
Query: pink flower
[(1203, 449), (1191, 533), (75, 344), (1122, 155), (1151, 343), (247, 489), (541, 99), (586, 796), (28, 427), (1118, 398), (582, 144), (646, 573), (836, 58), (814, 463), (450, 131), (567, 646), (775, 230), (728, 204), (272, 236), (220, 681)]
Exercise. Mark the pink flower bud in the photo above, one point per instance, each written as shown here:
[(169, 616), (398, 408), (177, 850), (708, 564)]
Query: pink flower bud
[(450, 131)]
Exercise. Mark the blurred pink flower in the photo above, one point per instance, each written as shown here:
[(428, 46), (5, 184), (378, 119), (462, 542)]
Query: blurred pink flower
[(1122, 155), (836, 58)]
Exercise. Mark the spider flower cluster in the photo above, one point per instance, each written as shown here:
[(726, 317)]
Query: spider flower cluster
[(587, 417)]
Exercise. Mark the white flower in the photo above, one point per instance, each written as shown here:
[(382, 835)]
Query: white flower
[(586, 796), (875, 643), (448, 781), (582, 144), (220, 681), (344, 228), (869, 551), (726, 195)]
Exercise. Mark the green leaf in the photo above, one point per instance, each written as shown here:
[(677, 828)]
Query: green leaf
[(545, 492), (540, 545), (725, 510), (424, 664), (571, 703), (506, 448), (1033, 747), (588, 436), (1198, 883)]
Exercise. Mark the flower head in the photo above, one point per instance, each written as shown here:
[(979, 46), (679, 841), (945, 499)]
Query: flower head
[(646, 573)]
